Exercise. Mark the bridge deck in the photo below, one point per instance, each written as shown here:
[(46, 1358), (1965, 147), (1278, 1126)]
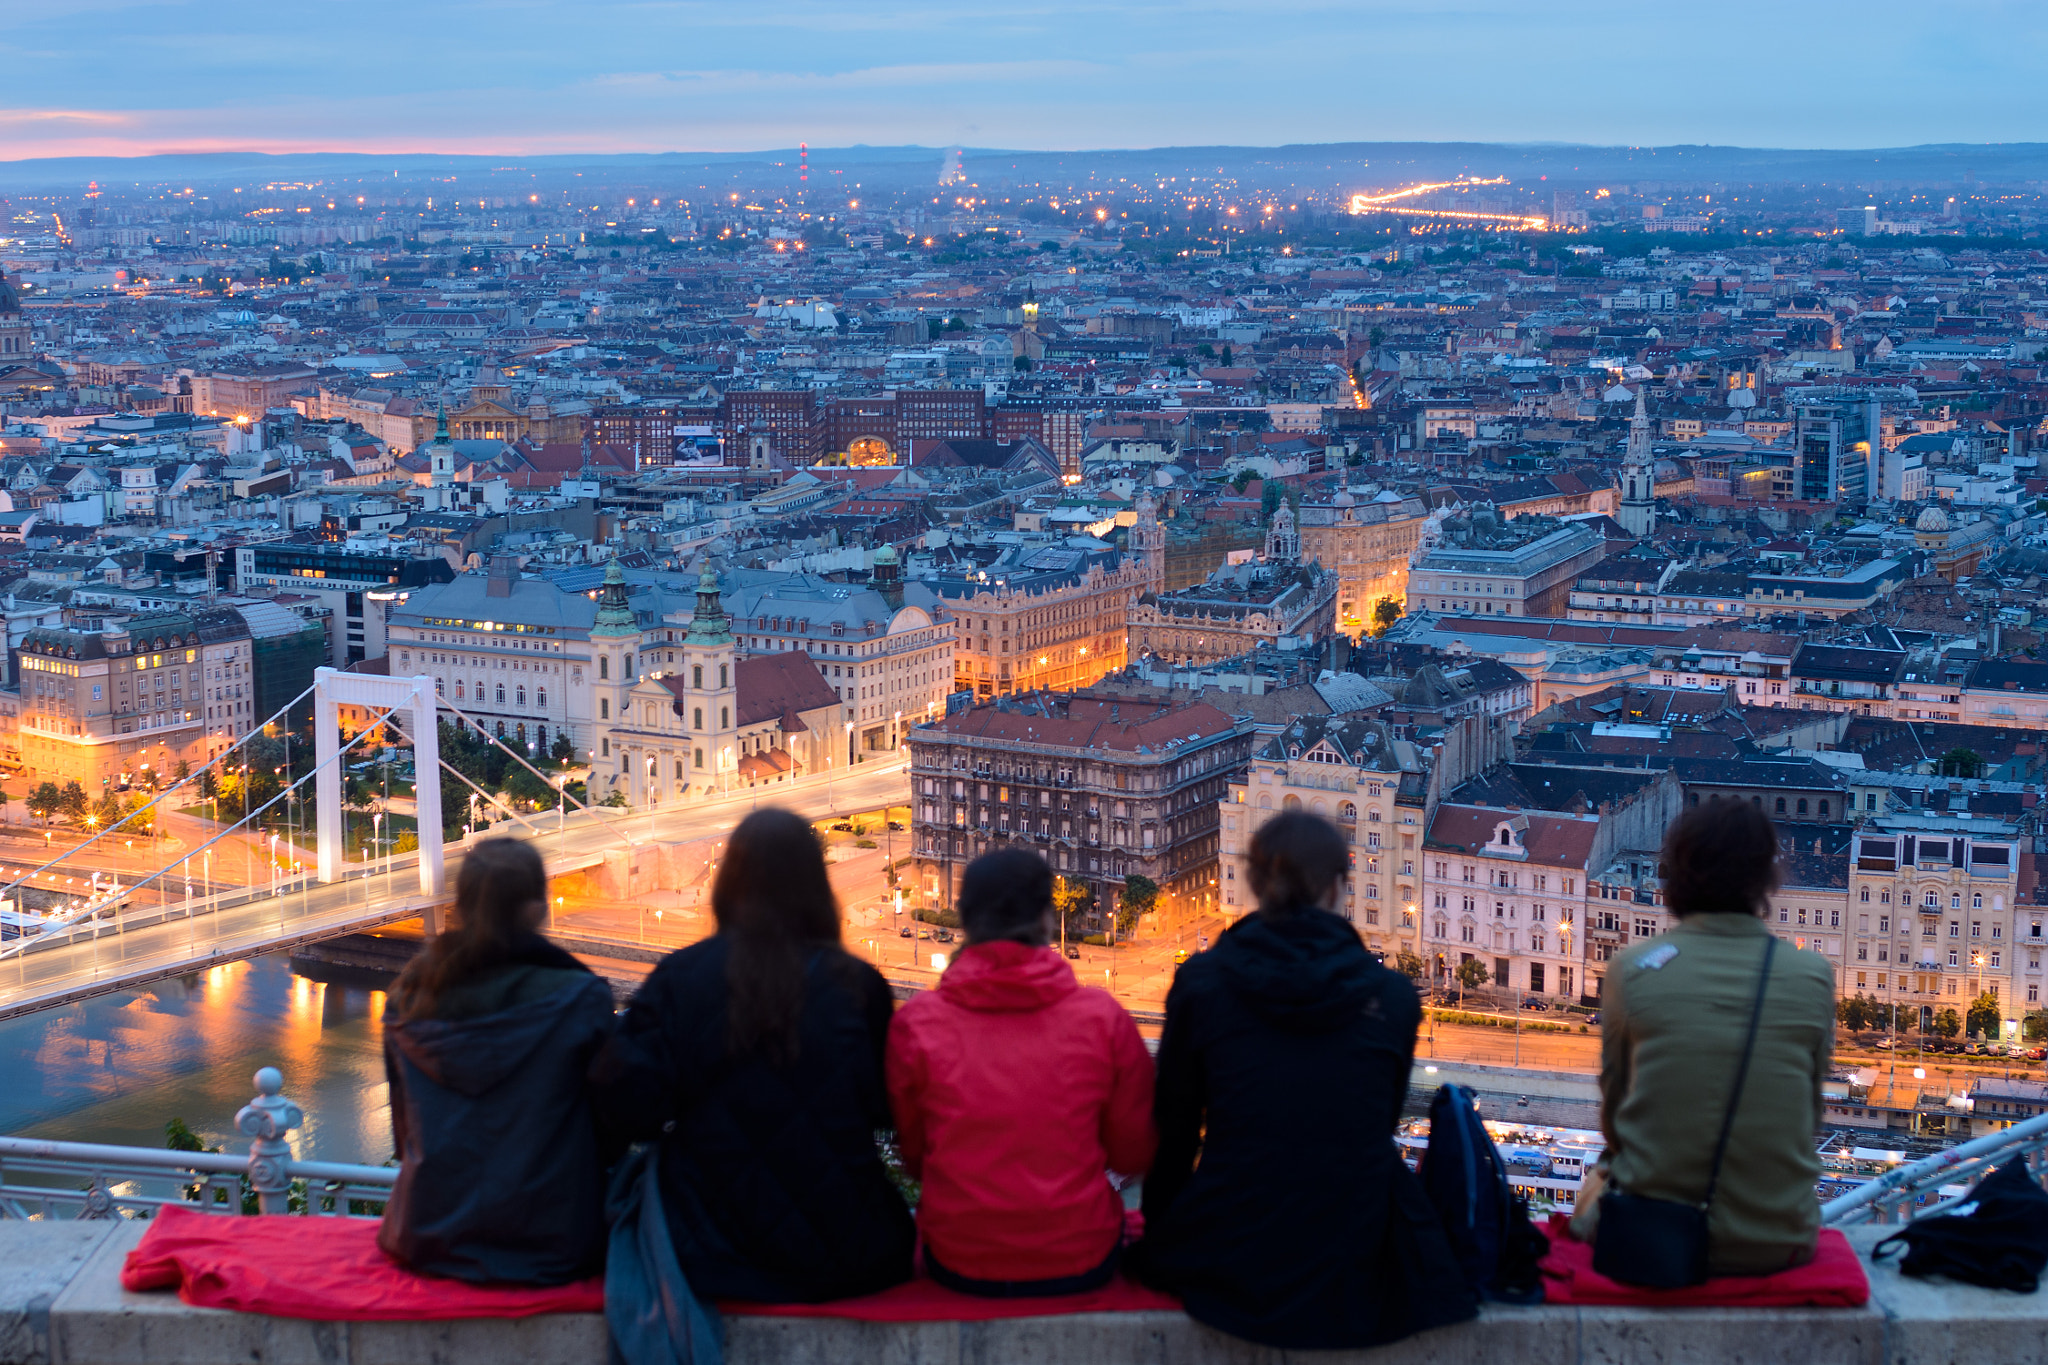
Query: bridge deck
[(136, 945)]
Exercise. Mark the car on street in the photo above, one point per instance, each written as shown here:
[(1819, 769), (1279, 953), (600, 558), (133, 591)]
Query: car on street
[(904, 932), (1073, 953), (1534, 1005), (942, 935), (1180, 955)]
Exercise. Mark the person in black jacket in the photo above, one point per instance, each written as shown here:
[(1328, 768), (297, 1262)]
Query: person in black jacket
[(755, 1058), (501, 1168), (1278, 1207)]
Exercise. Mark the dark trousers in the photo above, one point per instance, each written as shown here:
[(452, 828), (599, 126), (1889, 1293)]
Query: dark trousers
[(1024, 1289)]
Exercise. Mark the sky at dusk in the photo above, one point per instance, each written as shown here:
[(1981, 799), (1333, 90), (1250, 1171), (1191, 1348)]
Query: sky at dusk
[(99, 77)]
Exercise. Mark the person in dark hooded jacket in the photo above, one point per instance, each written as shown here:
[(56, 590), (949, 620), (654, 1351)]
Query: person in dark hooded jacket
[(1278, 1206), (501, 1166), (755, 1059)]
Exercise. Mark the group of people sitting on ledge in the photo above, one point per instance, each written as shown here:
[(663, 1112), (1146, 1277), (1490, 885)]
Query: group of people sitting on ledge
[(767, 1065)]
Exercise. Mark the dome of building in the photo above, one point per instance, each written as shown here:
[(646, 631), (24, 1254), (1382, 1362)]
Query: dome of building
[(1933, 519), (885, 555), (1344, 499)]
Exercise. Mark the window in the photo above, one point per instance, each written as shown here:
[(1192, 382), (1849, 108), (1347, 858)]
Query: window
[(1951, 957), (1781, 805), (697, 718), (604, 667), (604, 708), (540, 697), (1955, 900), (1977, 901), (1930, 901), (697, 675)]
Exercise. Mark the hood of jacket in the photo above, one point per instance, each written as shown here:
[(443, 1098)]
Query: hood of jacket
[(1003, 976), (472, 1054), (1307, 973)]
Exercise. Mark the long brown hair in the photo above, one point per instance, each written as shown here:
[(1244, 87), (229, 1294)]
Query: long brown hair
[(500, 882), (774, 905)]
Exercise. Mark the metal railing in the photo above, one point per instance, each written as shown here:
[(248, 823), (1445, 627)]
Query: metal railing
[(53, 1180), (1897, 1196)]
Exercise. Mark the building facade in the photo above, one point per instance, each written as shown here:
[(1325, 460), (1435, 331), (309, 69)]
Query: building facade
[(1058, 628), (1368, 545), (1277, 600), (1482, 565), (1354, 773), (1104, 786)]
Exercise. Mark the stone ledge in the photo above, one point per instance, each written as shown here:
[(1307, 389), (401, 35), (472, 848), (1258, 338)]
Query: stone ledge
[(61, 1303)]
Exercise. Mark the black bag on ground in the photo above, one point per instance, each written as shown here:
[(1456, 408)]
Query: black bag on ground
[(1486, 1221), (1998, 1238), (1663, 1243)]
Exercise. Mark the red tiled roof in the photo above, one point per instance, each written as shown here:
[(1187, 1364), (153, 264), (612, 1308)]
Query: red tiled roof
[(1093, 723), (1551, 839), (776, 686)]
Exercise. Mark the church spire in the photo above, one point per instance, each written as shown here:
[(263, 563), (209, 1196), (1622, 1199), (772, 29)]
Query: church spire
[(614, 612), (709, 625), (1638, 511)]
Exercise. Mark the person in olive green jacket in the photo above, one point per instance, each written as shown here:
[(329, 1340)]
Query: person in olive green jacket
[(1675, 1011)]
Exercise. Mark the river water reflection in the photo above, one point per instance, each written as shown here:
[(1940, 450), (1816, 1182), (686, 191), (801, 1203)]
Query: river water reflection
[(117, 1068)]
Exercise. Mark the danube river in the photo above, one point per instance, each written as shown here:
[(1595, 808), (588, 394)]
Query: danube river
[(117, 1068)]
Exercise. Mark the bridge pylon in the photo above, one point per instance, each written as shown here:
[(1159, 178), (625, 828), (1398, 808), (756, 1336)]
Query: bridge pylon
[(415, 697)]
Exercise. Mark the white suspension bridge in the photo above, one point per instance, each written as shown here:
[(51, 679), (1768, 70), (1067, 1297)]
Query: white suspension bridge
[(180, 917)]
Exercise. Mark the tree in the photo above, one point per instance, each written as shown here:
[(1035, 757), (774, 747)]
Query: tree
[(564, 749), (1022, 364), (1961, 763), (1853, 1013), (1072, 899), (523, 786), (2034, 1028), (1985, 1016), (4, 798), (72, 802), (1385, 612), (1947, 1024), (1410, 965), (107, 810), (45, 800), (1471, 975), (1140, 895)]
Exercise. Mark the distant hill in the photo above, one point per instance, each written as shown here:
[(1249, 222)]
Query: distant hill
[(1331, 164)]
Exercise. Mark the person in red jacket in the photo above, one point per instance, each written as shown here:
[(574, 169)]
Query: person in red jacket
[(1016, 1089)]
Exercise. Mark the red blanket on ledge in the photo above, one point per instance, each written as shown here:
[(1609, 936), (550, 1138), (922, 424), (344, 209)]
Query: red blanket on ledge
[(331, 1270), (1832, 1279)]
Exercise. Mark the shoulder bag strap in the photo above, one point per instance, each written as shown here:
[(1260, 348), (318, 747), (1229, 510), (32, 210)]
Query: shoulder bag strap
[(1756, 1014)]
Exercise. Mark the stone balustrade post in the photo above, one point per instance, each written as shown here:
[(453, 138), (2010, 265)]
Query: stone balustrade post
[(266, 1119)]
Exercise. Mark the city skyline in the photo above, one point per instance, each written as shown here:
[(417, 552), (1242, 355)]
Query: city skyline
[(112, 77)]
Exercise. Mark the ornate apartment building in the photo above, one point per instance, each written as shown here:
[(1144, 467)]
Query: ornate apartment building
[(1352, 771), (1368, 546), (1104, 786), (1934, 914), (1506, 887), (1060, 628), (1274, 600), (103, 704)]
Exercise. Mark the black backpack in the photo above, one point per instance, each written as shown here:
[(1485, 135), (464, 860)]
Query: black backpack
[(1486, 1221), (1997, 1238)]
